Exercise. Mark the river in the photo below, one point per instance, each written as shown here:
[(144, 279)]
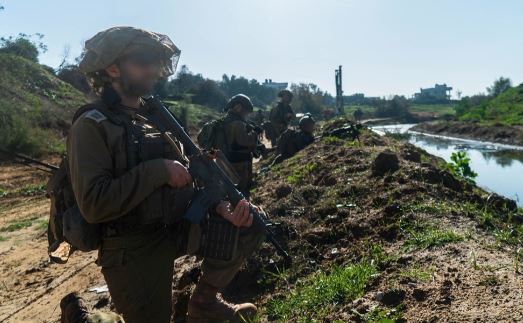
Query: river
[(499, 167)]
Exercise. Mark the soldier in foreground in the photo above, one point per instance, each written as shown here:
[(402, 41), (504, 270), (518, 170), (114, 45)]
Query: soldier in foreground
[(281, 115), (241, 140), (292, 141), (135, 184)]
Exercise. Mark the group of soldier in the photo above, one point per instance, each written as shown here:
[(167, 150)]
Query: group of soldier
[(129, 179)]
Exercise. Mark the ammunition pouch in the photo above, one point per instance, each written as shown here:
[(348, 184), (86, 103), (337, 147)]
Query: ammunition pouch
[(218, 239)]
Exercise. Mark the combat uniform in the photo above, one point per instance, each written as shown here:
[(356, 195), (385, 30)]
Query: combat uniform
[(279, 119), (289, 146), (119, 179), (241, 144)]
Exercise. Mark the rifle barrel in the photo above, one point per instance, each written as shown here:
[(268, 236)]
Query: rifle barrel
[(28, 161)]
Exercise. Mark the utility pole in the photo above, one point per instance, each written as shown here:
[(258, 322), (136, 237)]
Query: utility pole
[(339, 92)]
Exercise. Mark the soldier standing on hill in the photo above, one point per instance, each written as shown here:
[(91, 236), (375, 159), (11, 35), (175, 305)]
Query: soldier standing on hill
[(135, 184), (241, 140), (281, 115)]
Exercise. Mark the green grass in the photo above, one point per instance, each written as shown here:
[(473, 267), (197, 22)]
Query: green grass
[(506, 108), (331, 140), (300, 173), (417, 273), (318, 295), (15, 226), (383, 315), (41, 225), (428, 236), (26, 190), (437, 109), (34, 124)]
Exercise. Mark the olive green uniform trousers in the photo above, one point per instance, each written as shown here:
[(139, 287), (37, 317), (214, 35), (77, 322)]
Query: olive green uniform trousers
[(138, 269)]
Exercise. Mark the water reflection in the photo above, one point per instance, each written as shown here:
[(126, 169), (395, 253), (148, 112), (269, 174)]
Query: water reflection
[(499, 167)]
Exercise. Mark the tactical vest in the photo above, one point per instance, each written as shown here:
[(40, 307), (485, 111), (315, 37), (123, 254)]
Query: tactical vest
[(235, 152), (165, 205)]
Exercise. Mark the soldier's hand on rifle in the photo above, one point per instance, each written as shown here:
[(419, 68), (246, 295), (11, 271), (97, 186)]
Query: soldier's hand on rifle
[(239, 217), (178, 174)]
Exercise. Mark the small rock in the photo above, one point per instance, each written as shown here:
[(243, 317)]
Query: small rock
[(283, 190), (385, 162), (419, 294)]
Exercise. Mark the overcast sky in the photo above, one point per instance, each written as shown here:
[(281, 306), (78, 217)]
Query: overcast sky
[(385, 46)]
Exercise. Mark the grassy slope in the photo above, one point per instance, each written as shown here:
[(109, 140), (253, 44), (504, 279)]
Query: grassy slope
[(506, 108), (371, 248), (35, 106)]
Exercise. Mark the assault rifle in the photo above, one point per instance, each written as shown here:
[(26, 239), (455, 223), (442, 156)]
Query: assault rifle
[(213, 185)]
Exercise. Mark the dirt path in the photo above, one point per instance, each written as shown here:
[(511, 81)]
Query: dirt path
[(30, 286)]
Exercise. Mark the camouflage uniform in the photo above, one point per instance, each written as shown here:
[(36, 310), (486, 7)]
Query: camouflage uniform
[(292, 142), (241, 144), (118, 175), (279, 120)]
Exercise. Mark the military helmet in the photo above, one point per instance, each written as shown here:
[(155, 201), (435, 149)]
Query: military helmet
[(242, 99), (283, 92), (104, 48), (306, 119)]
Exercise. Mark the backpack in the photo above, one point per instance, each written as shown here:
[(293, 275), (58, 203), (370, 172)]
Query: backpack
[(212, 136), (66, 223)]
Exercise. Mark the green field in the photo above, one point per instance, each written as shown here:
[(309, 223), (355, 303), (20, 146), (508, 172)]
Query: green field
[(436, 109)]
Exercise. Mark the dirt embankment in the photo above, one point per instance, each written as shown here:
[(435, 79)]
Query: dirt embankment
[(376, 228), (498, 133)]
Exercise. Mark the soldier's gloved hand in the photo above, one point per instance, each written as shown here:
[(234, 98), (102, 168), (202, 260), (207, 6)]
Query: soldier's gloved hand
[(178, 174), (239, 217)]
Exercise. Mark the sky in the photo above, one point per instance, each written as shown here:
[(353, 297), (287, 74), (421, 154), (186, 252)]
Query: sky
[(386, 47)]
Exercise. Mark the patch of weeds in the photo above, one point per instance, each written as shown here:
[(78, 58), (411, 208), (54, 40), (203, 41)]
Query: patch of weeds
[(380, 257), (300, 173), (27, 190), (17, 225), (418, 273), (42, 225), (460, 166), (332, 140), (2, 238), (380, 314), (490, 280), (430, 237), (32, 189), (271, 278), (315, 297), (429, 207)]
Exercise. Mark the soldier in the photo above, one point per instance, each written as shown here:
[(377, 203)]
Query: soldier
[(259, 118), (241, 140), (281, 115), (135, 184), (291, 141)]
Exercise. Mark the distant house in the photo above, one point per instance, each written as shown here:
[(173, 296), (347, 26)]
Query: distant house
[(440, 93), (275, 85)]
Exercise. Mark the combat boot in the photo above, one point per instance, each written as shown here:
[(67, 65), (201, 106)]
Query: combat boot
[(206, 306)]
